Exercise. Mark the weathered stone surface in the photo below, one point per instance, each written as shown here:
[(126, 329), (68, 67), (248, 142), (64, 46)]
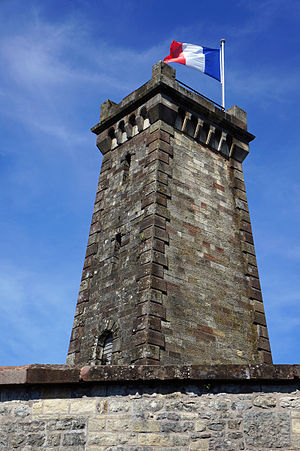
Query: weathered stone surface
[(267, 429), (265, 402), (74, 439), (291, 402), (154, 414), (109, 373)]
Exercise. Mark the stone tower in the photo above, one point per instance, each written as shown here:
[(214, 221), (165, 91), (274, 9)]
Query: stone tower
[(170, 273)]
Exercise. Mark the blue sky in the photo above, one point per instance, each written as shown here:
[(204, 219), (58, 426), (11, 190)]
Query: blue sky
[(59, 61)]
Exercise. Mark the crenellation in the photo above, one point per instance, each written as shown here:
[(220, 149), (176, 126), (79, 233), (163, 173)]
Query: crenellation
[(192, 125)]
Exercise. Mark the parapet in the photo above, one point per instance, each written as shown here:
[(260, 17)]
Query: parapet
[(163, 98)]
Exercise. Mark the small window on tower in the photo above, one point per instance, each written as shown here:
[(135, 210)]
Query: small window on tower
[(118, 240), (126, 167), (128, 159), (105, 348)]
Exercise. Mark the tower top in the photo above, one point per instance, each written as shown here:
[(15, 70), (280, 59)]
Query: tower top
[(157, 94)]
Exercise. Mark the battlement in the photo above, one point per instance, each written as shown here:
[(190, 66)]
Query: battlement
[(223, 132)]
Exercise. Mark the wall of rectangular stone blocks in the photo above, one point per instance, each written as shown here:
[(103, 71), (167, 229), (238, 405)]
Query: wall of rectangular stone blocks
[(152, 416), (209, 313)]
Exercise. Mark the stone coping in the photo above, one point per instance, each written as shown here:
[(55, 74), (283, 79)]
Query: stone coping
[(64, 374)]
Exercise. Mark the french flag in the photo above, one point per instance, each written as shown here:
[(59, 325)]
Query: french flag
[(204, 59)]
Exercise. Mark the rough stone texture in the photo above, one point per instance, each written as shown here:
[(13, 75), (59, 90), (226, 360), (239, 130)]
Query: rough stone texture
[(170, 268), (160, 415), (64, 374), (209, 310)]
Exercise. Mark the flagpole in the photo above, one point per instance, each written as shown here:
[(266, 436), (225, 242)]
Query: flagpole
[(222, 61)]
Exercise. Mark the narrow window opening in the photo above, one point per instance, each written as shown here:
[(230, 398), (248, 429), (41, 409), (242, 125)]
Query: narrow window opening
[(122, 126), (118, 240), (229, 141), (121, 133), (126, 167), (204, 132), (111, 133), (112, 137), (117, 247), (226, 145), (179, 119), (143, 112), (192, 124), (216, 140), (132, 120), (128, 159), (105, 348)]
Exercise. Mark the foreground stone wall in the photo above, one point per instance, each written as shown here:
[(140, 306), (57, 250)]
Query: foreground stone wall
[(168, 418), (153, 414)]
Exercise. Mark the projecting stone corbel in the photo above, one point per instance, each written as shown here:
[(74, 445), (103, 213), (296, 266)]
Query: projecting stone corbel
[(128, 130), (187, 118), (121, 134), (146, 123), (210, 135), (140, 123), (223, 147), (114, 143), (199, 127)]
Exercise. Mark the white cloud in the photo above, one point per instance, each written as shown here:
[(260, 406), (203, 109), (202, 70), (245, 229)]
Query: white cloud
[(51, 68)]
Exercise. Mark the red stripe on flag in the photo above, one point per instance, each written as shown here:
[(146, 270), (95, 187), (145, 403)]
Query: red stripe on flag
[(176, 54)]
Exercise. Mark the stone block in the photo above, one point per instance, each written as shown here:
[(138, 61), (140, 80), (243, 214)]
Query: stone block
[(162, 68), (37, 408), (152, 439), (82, 406), (200, 444), (103, 439), (290, 402), (53, 440), (265, 402), (296, 426), (146, 426), (118, 424), (96, 423), (161, 145), (158, 135), (51, 406)]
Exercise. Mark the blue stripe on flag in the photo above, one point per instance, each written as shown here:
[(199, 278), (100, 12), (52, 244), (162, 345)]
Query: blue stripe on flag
[(212, 63)]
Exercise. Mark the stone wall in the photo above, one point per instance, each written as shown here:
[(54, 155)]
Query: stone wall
[(210, 309), (256, 408)]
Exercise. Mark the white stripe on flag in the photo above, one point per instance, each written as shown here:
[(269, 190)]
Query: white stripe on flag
[(194, 56)]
